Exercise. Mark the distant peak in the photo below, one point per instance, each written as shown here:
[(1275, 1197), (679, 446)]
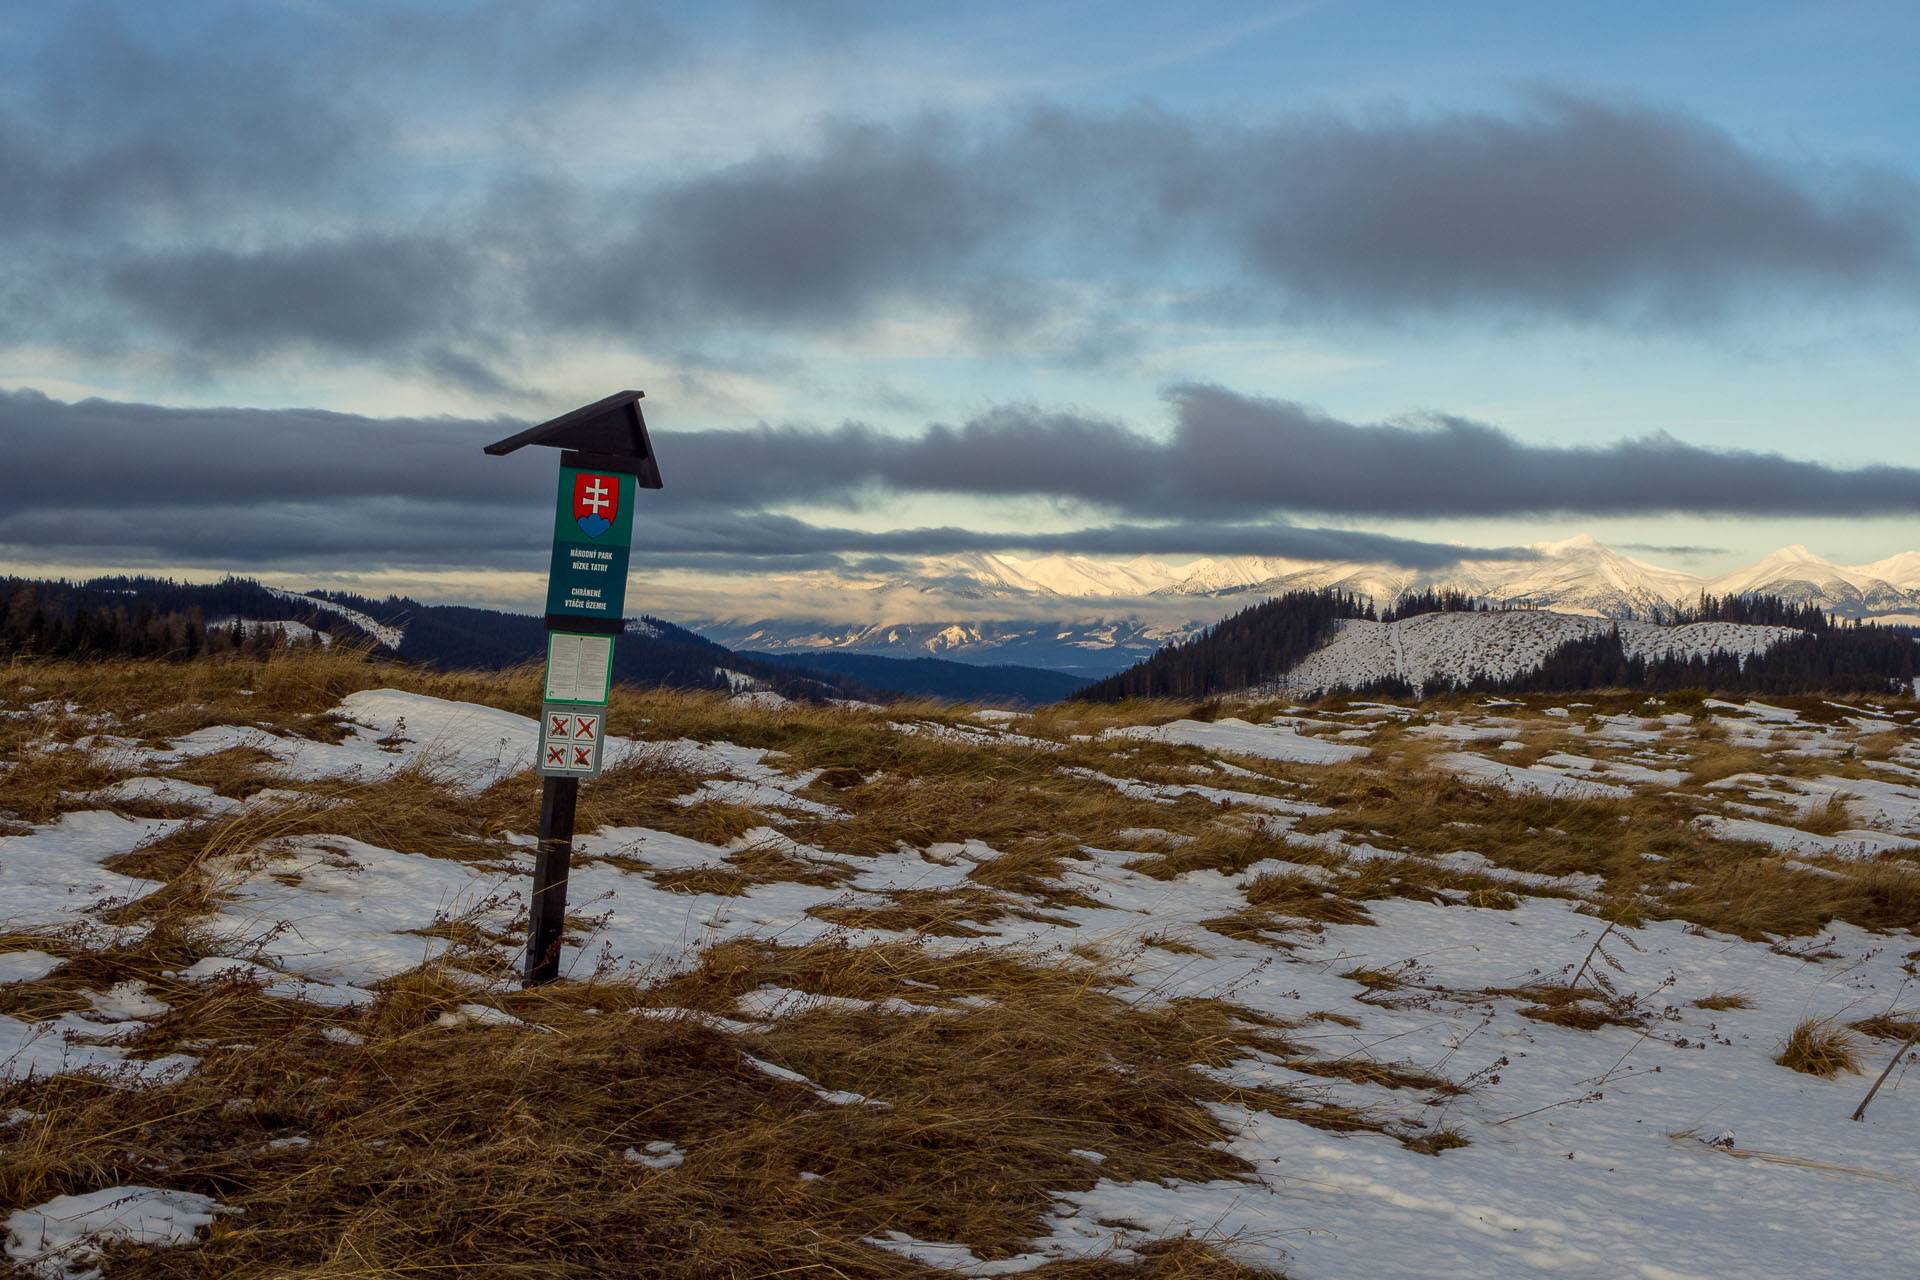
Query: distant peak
[(1794, 552), (1578, 542)]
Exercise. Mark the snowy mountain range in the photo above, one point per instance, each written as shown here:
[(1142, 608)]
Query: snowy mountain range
[(1094, 617)]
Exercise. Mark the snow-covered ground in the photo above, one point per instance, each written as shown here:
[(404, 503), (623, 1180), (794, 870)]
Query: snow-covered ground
[(386, 635), (1499, 645), (1672, 1147), (285, 626)]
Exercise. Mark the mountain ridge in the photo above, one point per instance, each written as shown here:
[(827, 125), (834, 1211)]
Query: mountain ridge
[(1095, 617)]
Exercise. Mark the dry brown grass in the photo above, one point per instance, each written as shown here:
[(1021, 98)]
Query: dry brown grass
[(497, 1151), (1229, 849), (48, 780), (1884, 1026), (1639, 845), (1555, 737), (1004, 797), (1830, 817), (1301, 898), (1586, 1015), (1820, 1047), (1064, 719), (944, 913), (1722, 1000), (234, 772)]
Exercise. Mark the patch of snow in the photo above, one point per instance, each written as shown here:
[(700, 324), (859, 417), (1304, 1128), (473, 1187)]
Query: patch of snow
[(1531, 781), (1241, 738), (1849, 845), (125, 1002), (52, 876), (713, 1021), (478, 1015), (834, 1097), (274, 983), (26, 966), (1170, 791), (345, 912), (61, 1239), (658, 1155), (471, 745), (71, 1043)]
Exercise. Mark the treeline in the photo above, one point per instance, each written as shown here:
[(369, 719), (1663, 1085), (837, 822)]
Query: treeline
[(1760, 611), (1855, 659), (143, 618), (1253, 645), (1415, 603)]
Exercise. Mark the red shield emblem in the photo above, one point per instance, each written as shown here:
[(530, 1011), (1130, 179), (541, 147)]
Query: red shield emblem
[(596, 502)]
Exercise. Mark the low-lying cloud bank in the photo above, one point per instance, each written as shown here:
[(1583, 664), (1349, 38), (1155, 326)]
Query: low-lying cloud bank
[(248, 488)]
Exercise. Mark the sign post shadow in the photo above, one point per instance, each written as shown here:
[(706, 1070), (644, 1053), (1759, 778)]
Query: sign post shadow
[(606, 459)]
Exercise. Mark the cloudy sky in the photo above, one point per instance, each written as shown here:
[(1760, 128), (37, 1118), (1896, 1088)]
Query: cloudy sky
[(1341, 280)]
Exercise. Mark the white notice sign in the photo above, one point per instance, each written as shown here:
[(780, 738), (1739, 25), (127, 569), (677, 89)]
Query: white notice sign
[(596, 658), (578, 667)]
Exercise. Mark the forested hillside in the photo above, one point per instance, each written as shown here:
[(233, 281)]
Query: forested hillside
[(1848, 659), (148, 618), (1261, 644), (1252, 645)]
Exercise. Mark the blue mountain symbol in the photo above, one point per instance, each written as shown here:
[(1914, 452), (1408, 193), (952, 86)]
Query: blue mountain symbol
[(593, 526)]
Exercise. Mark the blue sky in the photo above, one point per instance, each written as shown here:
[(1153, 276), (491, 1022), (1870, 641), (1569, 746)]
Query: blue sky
[(835, 243)]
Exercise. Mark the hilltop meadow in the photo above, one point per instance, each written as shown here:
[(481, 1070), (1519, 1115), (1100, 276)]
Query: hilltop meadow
[(1572, 985)]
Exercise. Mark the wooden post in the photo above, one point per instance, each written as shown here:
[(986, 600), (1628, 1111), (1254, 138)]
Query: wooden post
[(547, 915), (605, 457)]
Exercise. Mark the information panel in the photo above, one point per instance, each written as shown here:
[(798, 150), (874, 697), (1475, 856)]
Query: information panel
[(579, 667), (573, 712), (592, 528)]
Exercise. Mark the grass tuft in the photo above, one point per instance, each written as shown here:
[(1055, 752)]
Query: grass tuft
[(1820, 1047), (1719, 1000)]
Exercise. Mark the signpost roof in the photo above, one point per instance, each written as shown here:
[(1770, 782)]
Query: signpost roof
[(608, 435)]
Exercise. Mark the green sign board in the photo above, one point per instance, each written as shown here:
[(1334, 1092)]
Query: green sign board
[(592, 527)]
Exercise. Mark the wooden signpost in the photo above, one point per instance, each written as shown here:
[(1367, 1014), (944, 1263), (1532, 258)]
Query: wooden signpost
[(607, 460)]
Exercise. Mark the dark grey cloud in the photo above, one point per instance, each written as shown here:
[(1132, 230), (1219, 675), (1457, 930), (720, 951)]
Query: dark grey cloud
[(110, 133), (1248, 452), (1572, 208), (1244, 456), (243, 487), (344, 295), (257, 184)]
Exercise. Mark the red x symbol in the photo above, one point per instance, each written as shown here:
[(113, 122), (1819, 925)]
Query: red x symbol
[(557, 726), (582, 757), (557, 755), (583, 726)]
